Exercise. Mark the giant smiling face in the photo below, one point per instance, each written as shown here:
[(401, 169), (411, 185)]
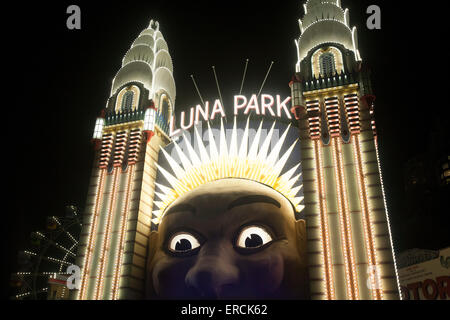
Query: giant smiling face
[(228, 239)]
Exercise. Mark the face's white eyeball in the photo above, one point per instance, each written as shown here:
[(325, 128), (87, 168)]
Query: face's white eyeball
[(183, 242), (253, 237)]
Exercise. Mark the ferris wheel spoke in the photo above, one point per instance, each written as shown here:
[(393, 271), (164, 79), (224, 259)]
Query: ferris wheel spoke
[(71, 237), (54, 260), (56, 244)]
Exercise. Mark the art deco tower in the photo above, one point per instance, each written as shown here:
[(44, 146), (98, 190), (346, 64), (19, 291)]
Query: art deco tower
[(349, 242), (128, 134)]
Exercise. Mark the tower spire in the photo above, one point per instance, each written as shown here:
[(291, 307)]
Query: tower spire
[(325, 21), (148, 61)]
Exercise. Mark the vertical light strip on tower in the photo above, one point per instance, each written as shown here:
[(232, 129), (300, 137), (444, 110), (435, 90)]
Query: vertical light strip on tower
[(323, 225), (105, 156), (388, 220), (106, 230), (118, 159), (117, 263), (313, 112), (377, 293), (135, 142), (332, 111), (352, 110), (346, 231)]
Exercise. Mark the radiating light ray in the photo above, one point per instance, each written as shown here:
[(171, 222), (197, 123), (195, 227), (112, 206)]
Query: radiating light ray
[(254, 148), (292, 181), (170, 178), (288, 175), (184, 160), (296, 190), (212, 145), (203, 153), (244, 143), (223, 151), (163, 188), (196, 162), (272, 158), (234, 146), (179, 172), (262, 155), (282, 162)]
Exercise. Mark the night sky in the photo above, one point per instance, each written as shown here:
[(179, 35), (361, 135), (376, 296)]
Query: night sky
[(61, 80)]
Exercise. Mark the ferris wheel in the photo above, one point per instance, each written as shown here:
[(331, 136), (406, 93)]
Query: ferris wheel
[(42, 271)]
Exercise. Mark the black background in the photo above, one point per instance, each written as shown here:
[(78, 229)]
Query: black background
[(59, 80)]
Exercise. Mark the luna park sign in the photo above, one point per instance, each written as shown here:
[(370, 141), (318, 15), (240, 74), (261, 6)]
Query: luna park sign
[(265, 105)]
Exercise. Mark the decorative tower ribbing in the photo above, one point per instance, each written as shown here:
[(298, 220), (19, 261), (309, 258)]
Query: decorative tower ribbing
[(350, 247), (127, 138)]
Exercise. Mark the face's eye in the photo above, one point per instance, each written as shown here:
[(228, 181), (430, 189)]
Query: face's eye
[(183, 242), (253, 237)]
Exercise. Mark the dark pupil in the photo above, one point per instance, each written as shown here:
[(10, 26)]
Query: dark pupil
[(183, 245), (253, 241)]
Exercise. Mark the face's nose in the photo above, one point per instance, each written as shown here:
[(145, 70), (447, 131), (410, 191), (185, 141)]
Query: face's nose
[(214, 272)]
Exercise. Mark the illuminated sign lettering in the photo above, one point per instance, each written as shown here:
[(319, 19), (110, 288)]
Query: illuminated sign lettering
[(265, 105)]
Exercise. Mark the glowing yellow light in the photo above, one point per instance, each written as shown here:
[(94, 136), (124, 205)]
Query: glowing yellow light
[(123, 227), (256, 163), (120, 150), (91, 238), (347, 246), (367, 224), (106, 239), (388, 220), (323, 225)]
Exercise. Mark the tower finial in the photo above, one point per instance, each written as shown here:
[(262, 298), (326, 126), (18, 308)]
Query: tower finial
[(154, 25)]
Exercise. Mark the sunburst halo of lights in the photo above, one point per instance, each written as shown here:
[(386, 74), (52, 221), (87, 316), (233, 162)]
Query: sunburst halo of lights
[(237, 160)]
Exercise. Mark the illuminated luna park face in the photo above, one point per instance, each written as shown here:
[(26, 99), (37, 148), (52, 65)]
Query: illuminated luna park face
[(228, 239)]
